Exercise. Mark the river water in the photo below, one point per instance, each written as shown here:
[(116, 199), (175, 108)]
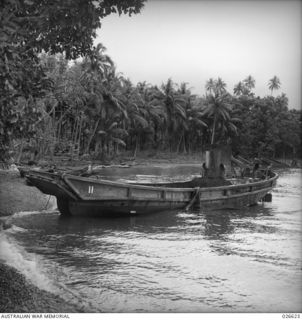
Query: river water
[(246, 260)]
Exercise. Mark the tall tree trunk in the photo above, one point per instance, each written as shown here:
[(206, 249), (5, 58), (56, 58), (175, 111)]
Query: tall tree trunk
[(59, 123), (20, 151), (92, 136), (184, 143), (80, 133), (214, 127), (294, 152), (74, 137), (181, 140), (136, 146), (53, 142)]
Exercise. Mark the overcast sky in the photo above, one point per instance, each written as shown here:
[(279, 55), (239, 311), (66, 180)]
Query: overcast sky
[(192, 41)]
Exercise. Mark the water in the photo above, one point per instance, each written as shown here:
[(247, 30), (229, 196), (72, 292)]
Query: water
[(246, 260)]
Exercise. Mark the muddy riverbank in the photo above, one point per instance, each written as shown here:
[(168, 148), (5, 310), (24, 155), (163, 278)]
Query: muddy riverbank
[(16, 196), (17, 294)]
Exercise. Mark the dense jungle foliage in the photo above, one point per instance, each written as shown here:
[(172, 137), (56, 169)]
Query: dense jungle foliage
[(50, 104)]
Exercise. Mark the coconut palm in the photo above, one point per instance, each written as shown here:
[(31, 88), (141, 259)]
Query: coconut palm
[(106, 99), (191, 118), (183, 89), (109, 137), (228, 128), (157, 114), (98, 60), (174, 104), (210, 85), (249, 82), (137, 122), (196, 123), (274, 84), (218, 107), (239, 88), (147, 116), (220, 86)]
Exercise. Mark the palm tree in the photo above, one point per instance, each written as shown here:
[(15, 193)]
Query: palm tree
[(196, 123), (218, 108), (174, 104), (157, 113), (239, 88), (220, 86), (210, 85), (105, 97), (186, 123), (229, 127), (98, 60), (137, 122), (274, 84), (249, 82), (147, 118), (183, 89), (109, 137)]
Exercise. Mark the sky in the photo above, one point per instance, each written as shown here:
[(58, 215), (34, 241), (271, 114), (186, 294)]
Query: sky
[(195, 40)]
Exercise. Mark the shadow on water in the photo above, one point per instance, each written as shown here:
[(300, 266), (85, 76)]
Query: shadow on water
[(221, 222), (217, 221), (211, 224)]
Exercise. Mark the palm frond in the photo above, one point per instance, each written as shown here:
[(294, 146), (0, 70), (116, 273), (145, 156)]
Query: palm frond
[(118, 141)]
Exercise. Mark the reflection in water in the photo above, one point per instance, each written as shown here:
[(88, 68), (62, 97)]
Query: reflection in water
[(244, 260), (217, 225)]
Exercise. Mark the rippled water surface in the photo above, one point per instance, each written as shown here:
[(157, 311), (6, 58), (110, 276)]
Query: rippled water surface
[(246, 260)]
